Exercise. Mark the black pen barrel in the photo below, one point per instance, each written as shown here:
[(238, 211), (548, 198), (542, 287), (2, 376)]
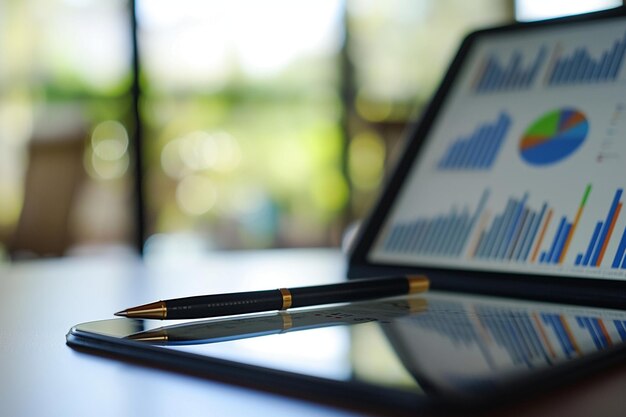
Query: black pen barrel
[(224, 304), (356, 290)]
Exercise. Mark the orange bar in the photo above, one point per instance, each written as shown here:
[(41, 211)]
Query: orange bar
[(481, 227), (608, 235), (543, 335), (570, 335), (605, 333), (573, 228), (541, 235), (571, 234)]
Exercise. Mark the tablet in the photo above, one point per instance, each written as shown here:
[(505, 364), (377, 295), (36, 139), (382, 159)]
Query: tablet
[(436, 351), (516, 172)]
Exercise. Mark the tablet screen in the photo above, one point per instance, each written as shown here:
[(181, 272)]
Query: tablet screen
[(438, 345), (524, 166)]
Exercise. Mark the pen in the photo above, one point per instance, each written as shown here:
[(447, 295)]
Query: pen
[(279, 299)]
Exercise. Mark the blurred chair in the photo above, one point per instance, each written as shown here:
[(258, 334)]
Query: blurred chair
[(55, 171)]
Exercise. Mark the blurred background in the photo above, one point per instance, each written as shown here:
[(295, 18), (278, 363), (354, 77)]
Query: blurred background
[(253, 124)]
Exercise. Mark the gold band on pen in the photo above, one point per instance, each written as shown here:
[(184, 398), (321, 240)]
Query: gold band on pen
[(418, 283), (286, 298)]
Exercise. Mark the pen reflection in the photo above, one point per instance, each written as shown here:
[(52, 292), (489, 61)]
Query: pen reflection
[(211, 331)]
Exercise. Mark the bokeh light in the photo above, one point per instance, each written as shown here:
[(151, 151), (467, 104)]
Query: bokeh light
[(107, 156), (196, 194), (366, 158)]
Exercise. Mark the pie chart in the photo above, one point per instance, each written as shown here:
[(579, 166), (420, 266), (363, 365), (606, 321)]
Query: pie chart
[(554, 136)]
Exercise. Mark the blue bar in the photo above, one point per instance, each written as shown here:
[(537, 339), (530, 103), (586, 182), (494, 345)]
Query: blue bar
[(433, 234), (607, 225), (618, 61), (443, 233), (432, 230), (555, 71), (446, 233), (596, 70), (423, 241), (619, 57), (558, 70), (456, 235), (586, 64), (538, 62), (503, 126), (476, 145), (580, 66), (592, 243), (489, 74), (579, 259), (516, 239), (619, 255), (495, 78), (598, 74), (480, 244), (572, 63), (528, 224), (591, 66), (561, 243), (491, 236), (620, 329), (555, 241), (557, 326), (534, 231), (542, 258), (596, 325), (459, 154), (528, 329), (612, 60), (506, 221), (585, 323), (489, 146), (449, 234), (405, 238), (397, 236), (415, 234), (515, 221), (485, 244), (512, 70)]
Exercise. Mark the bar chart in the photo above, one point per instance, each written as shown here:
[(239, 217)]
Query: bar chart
[(517, 234), (441, 235), (563, 236), (580, 66), (479, 150), (601, 236), (529, 336), (494, 76)]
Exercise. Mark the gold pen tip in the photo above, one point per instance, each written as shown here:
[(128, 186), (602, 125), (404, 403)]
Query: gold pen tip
[(122, 313)]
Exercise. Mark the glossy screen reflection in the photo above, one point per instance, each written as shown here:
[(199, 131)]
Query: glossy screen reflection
[(438, 343)]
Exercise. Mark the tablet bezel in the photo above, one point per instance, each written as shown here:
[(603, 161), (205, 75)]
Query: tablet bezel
[(600, 292)]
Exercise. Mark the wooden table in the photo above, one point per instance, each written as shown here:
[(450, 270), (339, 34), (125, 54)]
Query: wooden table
[(41, 376)]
